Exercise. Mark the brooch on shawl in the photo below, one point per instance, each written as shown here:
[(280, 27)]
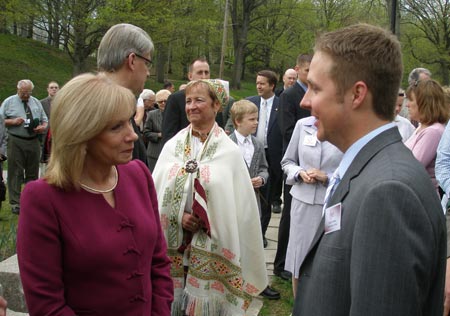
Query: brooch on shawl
[(191, 166)]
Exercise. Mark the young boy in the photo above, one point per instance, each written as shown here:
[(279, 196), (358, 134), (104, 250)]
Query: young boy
[(244, 115)]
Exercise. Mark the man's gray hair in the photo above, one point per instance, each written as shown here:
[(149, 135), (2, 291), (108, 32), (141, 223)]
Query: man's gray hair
[(146, 94), (25, 82), (120, 41), (415, 74)]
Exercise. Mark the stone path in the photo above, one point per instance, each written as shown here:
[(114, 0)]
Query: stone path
[(272, 238)]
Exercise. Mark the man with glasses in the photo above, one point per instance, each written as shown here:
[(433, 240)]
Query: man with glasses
[(24, 119), (125, 56)]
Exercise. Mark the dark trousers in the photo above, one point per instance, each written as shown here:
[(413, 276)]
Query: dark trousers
[(277, 185), (23, 165), (283, 230), (270, 190)]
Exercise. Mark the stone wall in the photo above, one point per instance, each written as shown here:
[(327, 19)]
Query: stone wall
[(12, 287)]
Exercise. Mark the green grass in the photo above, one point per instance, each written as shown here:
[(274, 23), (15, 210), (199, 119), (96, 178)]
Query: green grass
[(22, 58), (8, 231), (283, 306)]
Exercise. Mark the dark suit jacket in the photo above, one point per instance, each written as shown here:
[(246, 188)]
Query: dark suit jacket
[(46, 105), (291, 112), (174, 118), (388, 258), (279, 91), (274, 139)]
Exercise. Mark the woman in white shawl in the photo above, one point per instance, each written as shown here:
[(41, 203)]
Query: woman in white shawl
[(209, 214)]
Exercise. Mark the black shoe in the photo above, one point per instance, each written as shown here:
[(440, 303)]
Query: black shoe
[(276, 208), (15, 210), (265, 243), (270, 294), (285, 275)]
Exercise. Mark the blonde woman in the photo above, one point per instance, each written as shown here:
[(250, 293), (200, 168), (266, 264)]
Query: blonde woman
[(89, 237)]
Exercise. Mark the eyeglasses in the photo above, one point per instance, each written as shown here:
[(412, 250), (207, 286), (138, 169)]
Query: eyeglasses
[(401, 94), (148, 62), (161, 101)]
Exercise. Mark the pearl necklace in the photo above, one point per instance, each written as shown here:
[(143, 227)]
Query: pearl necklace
[(84, 186)]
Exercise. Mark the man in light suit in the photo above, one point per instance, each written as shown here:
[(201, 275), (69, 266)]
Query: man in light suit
[(380, 248), (269, 134)]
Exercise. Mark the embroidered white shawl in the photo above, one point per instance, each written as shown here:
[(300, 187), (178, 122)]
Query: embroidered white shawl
[(227, 270)]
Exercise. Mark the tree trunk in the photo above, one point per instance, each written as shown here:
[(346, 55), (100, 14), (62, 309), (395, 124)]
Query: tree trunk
[(161, 58), (445, 67), (29, 26), (240, 32)]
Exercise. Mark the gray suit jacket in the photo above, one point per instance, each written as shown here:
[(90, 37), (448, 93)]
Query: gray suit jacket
[(300, 154), (152, 127), (388, 258)]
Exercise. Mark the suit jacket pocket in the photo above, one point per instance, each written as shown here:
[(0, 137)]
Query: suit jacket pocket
[(330, 252)]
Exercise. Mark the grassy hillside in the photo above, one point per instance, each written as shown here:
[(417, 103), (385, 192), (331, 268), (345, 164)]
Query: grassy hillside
[(22, 58)]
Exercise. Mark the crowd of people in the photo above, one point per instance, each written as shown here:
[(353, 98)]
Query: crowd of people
[(159, 203)]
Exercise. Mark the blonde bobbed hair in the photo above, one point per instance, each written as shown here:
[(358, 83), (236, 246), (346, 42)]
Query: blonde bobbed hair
[(81, 110)]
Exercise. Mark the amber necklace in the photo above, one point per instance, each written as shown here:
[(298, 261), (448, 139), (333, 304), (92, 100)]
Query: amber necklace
[(84, 186)]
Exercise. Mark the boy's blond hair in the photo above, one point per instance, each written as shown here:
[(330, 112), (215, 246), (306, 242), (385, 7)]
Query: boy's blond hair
[(240, 108)]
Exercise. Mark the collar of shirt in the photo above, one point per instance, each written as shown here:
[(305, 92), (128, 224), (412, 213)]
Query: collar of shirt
[(301, 84), (269, 103), (241, 138), (356, 147)]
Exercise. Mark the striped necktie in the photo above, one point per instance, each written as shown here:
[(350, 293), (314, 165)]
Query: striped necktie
[(332, 185)]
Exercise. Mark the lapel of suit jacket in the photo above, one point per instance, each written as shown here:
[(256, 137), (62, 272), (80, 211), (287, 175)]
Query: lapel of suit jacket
[(257, 150), (316, 150), (234, 139), (361, 160), (273, 114)]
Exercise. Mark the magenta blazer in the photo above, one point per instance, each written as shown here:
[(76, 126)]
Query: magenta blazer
[(79, 256)]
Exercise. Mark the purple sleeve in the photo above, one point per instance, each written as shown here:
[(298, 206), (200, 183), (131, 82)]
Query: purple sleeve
[(162, 286), (39, 253)]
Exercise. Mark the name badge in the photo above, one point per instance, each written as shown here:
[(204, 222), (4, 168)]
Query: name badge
[(333, 218), (310, 140)]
